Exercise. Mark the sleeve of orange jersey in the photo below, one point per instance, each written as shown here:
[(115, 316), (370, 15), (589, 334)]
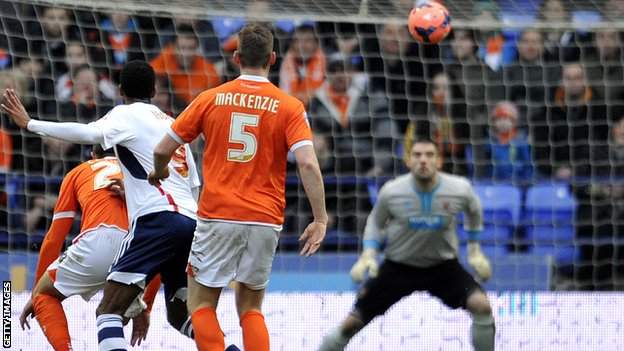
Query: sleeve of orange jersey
[(64, 213), (189, 123), (150, 292), (298, 130)]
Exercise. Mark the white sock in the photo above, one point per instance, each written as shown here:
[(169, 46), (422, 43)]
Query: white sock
[(334, 341), (483, 331), (110, 333)]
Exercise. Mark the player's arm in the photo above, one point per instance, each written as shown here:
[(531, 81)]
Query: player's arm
[(310, 174), (162, 155), (473, 226), (62, 221), (72, 132), (184, 129), (372, 239)]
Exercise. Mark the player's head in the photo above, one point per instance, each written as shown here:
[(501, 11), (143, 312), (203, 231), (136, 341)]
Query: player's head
[(98, 152), (136, 80), (255, 47), (424, 159)]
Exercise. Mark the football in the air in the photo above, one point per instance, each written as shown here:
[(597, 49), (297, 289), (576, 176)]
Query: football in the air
[(429, 22)]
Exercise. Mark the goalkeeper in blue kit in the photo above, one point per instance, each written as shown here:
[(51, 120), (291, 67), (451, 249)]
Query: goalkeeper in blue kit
[(415, 215)]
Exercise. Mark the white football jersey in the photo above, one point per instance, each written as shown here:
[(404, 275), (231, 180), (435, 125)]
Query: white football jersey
[(134, 131)]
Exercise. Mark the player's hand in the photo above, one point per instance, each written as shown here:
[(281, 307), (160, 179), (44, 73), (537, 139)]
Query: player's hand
[(478, 261), (155, 177), (367, 263), (140, 325), (312, 238), (27, 312), (116, 186), (12, 106)]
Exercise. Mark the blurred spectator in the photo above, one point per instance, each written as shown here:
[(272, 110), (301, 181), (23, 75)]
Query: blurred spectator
[(563, 133), (600, 215), (188, 72), (478, 84), (446, 125), (86, 101), (530, 79), (6, 151), (393, 61), (303, 68), (165, 99), (39, 212), (121, 40), (507, 157), (209, 44), (358, 123), (605, 72), (16, 79), (493, 49), (75, 58), (55, 27), (613, 10), (559, 45)]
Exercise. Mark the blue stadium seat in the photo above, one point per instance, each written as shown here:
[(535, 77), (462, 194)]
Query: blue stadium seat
[(501, 212), (501, 203), (542, 234), (561, 254), (500, 234), (549, 204)]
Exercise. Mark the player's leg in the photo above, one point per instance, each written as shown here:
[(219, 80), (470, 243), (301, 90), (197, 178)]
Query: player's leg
[(216, 250), (483, 328), (174, 278), (393, 282), (457, 288), (49, 312), (252, 274), (202, 304), (81, 270), (139, 260)]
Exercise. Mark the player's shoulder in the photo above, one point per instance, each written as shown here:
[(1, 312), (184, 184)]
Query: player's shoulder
[(397, 185), (455, 182)]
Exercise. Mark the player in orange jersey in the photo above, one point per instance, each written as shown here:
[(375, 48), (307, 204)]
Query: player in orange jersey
[(94, 188), (249, 126)]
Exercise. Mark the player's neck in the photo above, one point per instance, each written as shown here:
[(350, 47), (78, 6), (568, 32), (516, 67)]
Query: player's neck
[(129, 101), (261, 72), (426, 185)]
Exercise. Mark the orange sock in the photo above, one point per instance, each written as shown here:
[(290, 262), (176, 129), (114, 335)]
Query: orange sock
[(51, 317), (255, 333), (208, 334)]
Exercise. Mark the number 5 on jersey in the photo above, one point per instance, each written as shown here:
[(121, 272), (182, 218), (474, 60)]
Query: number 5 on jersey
[(238, 135)]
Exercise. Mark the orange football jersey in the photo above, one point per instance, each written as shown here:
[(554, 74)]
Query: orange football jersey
[(249, 126), (85, 188)]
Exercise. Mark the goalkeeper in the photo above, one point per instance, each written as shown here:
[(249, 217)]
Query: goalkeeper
[(415, 215)]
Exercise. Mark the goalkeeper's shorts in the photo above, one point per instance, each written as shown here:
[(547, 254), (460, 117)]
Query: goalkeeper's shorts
[(448, 281)]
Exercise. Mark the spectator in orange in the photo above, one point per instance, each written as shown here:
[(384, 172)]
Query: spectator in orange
[(188, 72), (303, 69), (6, 151)]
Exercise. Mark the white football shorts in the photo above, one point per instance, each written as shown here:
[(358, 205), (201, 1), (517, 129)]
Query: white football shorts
[(225, 251)]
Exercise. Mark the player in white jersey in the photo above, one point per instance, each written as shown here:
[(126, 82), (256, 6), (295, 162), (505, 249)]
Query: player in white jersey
[(415, 215), (162, 219)]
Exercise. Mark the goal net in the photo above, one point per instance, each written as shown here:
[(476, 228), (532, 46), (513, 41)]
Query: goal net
[(524, 98)]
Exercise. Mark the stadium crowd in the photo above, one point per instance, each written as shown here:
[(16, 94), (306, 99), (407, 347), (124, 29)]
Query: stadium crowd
[(514, 105)]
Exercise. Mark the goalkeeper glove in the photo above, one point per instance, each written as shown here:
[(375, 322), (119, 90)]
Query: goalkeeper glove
[(366, 263), (478, 261)]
